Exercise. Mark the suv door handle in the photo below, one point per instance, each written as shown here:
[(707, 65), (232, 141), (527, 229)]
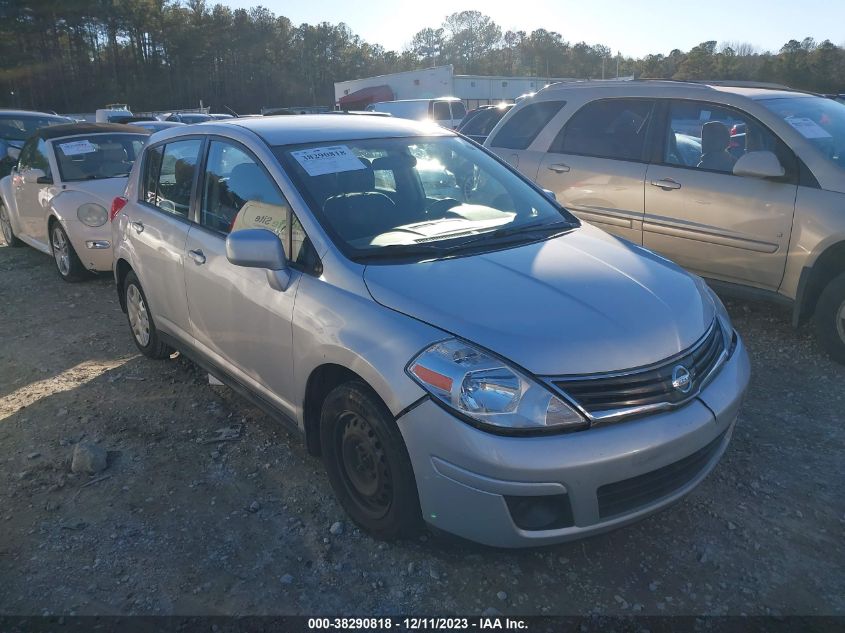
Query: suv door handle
[(559, 168), (666, 184), (138, 226), (198, 256)]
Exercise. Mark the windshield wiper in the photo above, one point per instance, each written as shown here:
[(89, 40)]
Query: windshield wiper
[(400, 250), (524, 229)]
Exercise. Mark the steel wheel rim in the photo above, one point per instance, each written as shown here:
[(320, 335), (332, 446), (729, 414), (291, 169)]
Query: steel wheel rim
[(139, 319), (840, 322), (6, 224), (61, 251), (364, 467)]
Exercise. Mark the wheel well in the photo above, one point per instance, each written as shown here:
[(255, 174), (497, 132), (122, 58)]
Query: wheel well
[(828, 265), (121, 270), (320, 383)]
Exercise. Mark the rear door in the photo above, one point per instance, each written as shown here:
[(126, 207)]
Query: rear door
[(157, 229), (238, 320), (698, 213), (596, 165)]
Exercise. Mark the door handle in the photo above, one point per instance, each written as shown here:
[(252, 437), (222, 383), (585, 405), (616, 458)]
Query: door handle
[(138, 226), (559, 168), (666, 184), (198, 256)]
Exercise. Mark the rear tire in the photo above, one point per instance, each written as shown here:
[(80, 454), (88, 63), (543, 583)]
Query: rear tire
[(6, 227), (141, 323), (67, 262), (367, 462), (830, 319)]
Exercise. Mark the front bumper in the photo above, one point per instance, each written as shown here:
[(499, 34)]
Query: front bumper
[(464, 475)]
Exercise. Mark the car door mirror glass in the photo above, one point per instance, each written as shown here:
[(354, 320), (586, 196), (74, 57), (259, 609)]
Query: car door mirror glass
[(759, 165)]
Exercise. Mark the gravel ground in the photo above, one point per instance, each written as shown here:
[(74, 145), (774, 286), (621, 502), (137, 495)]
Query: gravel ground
[(184, 525)]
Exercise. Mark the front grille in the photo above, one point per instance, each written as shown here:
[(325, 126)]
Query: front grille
[(648, 386), (636, 492)]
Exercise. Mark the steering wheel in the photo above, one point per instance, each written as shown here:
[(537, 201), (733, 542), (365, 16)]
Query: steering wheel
[(439, 208)]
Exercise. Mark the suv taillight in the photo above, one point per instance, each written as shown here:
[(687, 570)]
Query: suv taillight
[(116, 205)]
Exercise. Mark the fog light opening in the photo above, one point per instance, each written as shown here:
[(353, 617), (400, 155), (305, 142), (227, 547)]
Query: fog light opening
[(548, 512)]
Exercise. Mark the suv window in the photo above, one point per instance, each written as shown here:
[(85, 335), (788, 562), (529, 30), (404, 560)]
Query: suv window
[(713, 137), (440, 111), (238, 193), (458, 110), (522, 128), (610, 128), (169, 186)]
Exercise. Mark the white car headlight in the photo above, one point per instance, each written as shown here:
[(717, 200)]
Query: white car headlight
[(488, 392), (721, 312), (92, 214)]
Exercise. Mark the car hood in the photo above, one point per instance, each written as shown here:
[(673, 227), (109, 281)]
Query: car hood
[(102, 191), (583, 302)]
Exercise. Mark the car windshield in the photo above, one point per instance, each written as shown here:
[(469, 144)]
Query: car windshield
[(20, 128), (419, 196), (821, 121), (95, 156)]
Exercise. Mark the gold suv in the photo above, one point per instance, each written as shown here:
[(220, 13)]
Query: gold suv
[(744, 185)]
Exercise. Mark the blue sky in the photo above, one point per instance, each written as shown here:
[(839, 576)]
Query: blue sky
[(634, 27)]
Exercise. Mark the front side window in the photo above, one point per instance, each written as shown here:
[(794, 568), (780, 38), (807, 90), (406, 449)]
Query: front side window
[(610, 128), (169, 176), (445, 194), (522, 128), (440, 111), (97, 156), (821, 121), (239, 194), (40, 158), (27, 157)]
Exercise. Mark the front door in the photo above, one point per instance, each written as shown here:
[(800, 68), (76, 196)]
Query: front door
[(238, 320), (29, 199), (596, 164), (698, 213)]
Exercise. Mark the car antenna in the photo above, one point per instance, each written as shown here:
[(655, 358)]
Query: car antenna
[(232, 112)]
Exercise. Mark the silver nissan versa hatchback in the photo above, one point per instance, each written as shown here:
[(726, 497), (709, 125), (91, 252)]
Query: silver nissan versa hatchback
[(454, 344)]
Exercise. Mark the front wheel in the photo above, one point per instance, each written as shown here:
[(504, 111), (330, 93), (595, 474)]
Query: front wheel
[(367, 463), (141, 323), (830, 319), (6, 227), (67, 262)]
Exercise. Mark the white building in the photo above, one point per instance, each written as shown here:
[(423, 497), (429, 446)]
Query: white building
[(438, 81)]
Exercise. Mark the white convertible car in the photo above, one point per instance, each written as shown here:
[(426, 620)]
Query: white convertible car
[(57, 198)]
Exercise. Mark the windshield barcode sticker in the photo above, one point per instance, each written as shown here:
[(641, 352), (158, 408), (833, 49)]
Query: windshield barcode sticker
[(808, 127), (318, 161), (75, 148)]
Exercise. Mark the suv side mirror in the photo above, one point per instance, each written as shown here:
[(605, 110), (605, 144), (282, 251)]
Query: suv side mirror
[(33, 175), (260, 248), (759, 165)]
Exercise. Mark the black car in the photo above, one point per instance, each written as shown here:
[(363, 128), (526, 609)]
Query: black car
[(15, 127), (478, 124)]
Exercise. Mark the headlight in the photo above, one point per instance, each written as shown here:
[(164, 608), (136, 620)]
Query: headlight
[(721, 312), (92, 214), (488, 392)]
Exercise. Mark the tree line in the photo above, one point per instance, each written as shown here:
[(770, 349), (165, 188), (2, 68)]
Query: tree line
[(77, 55)]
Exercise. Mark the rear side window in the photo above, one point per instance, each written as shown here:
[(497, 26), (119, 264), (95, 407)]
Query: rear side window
[(611, 128), (522, 128), (169, 176), (440, 111)]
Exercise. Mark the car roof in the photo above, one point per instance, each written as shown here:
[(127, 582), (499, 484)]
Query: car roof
[(73, 129), (30, 113), (318, 128), (751, 90)]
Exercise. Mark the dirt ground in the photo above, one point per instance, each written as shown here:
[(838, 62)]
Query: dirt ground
[(183, 525)]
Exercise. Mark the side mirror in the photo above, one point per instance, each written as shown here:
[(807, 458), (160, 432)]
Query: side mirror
[(550, 194), (759, 165), (33, 176), (260, 248)]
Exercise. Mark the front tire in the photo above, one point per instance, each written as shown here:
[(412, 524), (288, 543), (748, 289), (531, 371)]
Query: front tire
[(68, 265), (367, 462), (6, 227), (141, 323), (830, 319)]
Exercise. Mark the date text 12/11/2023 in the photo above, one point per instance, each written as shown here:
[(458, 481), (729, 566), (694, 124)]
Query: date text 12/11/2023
[(481, 623)]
